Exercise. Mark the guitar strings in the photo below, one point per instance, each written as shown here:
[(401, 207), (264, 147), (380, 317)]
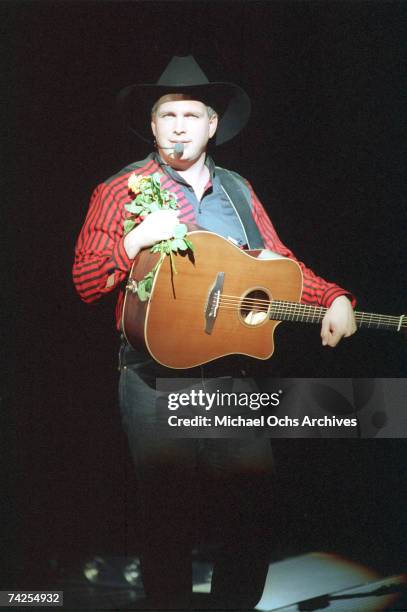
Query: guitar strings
[(316, 314), (235, 300), (231, 302)]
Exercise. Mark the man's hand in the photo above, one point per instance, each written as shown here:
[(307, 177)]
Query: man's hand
[(338, 322), (157, 226)]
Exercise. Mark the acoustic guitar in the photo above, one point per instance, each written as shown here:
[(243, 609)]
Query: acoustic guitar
[(221, 301)]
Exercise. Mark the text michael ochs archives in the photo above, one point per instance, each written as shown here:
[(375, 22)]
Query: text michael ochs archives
[(253, 401)]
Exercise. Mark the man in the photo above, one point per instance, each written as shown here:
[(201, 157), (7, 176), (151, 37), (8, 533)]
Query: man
[(229, 477)]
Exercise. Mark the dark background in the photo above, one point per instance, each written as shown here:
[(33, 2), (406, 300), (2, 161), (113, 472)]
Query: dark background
[(324, 152)]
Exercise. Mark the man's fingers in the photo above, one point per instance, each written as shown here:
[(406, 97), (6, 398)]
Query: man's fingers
[(338, 322), (325, 332), (335, 337), (330, 337)]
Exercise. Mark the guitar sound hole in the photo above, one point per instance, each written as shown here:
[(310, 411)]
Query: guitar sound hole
[(254, 307)]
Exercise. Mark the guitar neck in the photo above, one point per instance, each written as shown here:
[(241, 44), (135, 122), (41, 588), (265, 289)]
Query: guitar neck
[(291, 311)]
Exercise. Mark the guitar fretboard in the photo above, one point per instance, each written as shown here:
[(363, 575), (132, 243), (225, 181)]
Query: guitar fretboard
[(291, 311)]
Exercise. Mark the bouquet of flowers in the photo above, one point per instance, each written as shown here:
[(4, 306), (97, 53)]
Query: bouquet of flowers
[(149, 197)]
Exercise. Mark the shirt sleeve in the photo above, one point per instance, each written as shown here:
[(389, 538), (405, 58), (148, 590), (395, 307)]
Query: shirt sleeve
[(316, 290), (101, 262)]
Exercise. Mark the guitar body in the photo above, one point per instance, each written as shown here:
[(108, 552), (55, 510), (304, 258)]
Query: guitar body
[(183, 325)]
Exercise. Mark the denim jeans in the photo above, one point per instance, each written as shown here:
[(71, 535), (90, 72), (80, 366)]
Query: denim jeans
[(194, 491)]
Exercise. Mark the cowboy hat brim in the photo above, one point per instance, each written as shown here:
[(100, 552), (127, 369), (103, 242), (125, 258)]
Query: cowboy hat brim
[(231, 103)]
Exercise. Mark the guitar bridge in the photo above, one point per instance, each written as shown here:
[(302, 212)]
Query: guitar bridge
[(212, 304)]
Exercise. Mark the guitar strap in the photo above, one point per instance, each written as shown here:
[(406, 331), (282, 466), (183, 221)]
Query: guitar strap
[(239, 196)]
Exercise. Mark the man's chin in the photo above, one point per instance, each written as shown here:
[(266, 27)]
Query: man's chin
[(183, 162), (180, 163)]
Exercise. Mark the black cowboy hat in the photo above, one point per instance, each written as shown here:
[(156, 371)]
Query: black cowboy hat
[(183, 75)]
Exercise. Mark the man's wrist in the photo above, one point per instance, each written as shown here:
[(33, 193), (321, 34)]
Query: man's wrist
[(349, 299), (341, 298)]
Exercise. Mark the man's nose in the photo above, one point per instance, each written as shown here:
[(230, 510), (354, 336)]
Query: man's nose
[(179, 125)]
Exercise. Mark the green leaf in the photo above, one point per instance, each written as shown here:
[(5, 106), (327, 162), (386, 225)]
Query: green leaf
[(128, 225), (144, 288), (141, 290), (146, 208), (189, 244), (133, 208), (180, 244), (180, 230), (156, 179)]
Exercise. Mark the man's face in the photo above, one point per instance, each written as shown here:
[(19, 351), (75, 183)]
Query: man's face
[(183, 121)]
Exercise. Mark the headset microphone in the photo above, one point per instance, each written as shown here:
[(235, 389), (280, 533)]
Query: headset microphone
[(178, 148)]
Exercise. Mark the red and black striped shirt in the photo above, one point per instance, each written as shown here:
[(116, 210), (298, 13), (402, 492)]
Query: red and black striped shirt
[(101, 262)]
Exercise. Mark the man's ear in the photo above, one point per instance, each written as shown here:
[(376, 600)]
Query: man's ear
[(213, 125), (153, 126)]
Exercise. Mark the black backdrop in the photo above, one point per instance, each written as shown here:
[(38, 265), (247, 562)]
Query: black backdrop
[(324, 151)]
